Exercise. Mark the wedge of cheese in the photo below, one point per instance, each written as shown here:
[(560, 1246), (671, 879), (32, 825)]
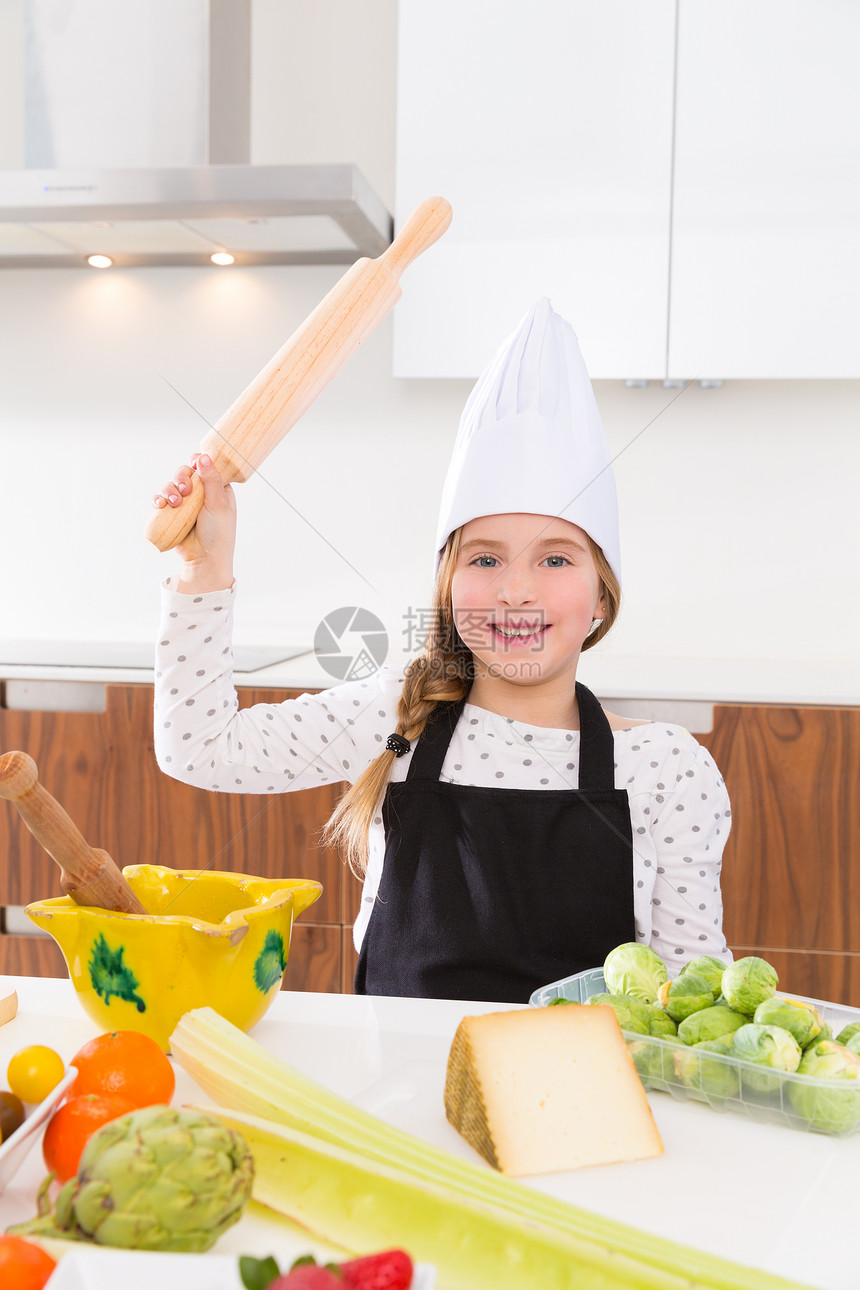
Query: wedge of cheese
[(8, 1005), (547, 1089)]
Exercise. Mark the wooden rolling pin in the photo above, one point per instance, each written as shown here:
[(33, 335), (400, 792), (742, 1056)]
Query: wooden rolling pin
[(88, 875), (284, 390)]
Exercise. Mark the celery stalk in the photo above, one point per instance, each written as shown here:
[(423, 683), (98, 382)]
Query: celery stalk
[(239, 1073), (341, 1197)]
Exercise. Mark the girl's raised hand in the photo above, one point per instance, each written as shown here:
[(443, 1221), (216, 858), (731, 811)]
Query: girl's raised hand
[(207, 551)]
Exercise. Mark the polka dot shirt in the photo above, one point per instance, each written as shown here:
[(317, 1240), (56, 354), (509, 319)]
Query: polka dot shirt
[(679, 807)]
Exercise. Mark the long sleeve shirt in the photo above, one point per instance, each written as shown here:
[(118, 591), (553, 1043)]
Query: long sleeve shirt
[(679, 806)]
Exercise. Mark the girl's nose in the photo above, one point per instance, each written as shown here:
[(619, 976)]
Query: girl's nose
[(515, 586)]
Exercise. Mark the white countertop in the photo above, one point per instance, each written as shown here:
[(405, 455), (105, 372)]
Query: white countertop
[(763, 1195)]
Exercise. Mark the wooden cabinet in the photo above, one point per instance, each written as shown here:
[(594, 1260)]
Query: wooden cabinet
[(791, 872), (791, 869), (682, 178), (102, 769)]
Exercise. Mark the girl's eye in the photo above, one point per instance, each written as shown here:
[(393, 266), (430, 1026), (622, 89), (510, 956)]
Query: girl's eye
[(556, 561), (485, 561)]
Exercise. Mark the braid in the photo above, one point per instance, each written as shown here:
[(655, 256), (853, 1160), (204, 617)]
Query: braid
[(442, 674)]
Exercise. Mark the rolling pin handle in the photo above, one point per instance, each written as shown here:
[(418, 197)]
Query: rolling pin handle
[(424, 226), (169, 525)]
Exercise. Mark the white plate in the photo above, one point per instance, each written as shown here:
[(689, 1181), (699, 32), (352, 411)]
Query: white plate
[(106, 1269), (15, 1150)]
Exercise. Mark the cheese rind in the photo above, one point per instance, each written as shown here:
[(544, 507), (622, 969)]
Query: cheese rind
[(8, 1007), (541, 1090)]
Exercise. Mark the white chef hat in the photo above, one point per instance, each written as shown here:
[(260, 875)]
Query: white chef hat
[(531, 440)]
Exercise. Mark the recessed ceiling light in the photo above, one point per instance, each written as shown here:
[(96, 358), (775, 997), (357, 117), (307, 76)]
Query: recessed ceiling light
[(222, 257), (99, 261)]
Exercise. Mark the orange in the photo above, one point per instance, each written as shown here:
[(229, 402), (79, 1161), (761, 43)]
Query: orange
[(71, 1127), (23, 1264), (126, 1063)]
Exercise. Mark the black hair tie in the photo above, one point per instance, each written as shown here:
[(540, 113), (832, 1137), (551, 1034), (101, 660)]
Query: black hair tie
[(398, 745)]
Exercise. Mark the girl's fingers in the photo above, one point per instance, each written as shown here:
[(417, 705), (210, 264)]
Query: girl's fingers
[(175, 489), (170, 495)]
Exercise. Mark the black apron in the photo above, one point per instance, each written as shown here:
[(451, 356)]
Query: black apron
[(489, 893)]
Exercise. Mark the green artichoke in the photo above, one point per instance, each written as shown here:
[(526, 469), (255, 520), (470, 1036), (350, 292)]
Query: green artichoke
[(155, 1179)]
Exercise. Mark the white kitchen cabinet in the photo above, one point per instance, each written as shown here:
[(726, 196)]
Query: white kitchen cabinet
[(548, 126), (766, 206), (681, 178)]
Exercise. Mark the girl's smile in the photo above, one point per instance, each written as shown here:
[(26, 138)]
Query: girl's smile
[(519, 635)]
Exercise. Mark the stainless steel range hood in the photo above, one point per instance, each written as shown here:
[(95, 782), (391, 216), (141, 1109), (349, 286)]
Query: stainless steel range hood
[(190, 190), (180, 216)]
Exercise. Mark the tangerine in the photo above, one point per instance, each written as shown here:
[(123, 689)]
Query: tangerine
[(124, 1063), (23, 1264), (71, 1127)]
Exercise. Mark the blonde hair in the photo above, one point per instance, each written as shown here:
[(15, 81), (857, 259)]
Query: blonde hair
[(442, 674)]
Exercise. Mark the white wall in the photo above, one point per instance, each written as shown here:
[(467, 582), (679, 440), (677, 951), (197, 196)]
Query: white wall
[(739, 508)]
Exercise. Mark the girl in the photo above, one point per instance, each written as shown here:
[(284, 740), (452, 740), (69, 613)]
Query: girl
[(509, 832)]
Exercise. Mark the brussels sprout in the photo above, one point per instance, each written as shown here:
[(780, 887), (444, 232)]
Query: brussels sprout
[(695, 1069), (660, 1024), (799, 1019), (687, 994), (853, 1044), (710, 1023), (831, 1110), (648, 1060), (631, 1013), (635, 970), (848, 1032), (768, 1046), (711, 969), (747, 983)]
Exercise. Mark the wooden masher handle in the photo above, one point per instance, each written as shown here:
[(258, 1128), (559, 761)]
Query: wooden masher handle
[(88, 875)]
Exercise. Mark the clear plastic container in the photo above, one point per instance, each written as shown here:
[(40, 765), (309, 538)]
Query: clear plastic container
[(726, 1084)]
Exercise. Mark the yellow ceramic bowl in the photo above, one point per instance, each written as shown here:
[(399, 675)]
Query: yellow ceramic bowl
[(210, 939)]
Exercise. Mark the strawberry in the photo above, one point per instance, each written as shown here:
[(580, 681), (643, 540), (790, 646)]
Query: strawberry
[(308, 1276), (390, 1270)]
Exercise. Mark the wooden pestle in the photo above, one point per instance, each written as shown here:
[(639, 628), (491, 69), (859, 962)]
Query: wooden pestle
[(87, 874)]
